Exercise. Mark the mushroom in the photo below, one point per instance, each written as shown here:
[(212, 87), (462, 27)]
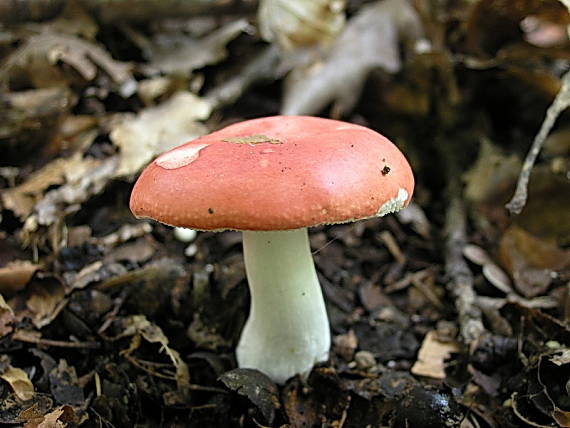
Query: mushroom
[(272, 178)]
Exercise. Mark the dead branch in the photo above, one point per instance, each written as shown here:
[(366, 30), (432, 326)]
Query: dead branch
[(460, 278), (460, 284), (560, 103)]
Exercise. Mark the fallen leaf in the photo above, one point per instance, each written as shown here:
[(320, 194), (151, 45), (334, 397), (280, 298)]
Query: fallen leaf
[(297, 23), (30, 120), (415, 216), (432, 356), (44, 300), (19, 382), (492, 175), (54, 204), (369, 41), (257, 387), (547, 212), (51, 420), (157, 129), (530, 261), (64, 384), (182, 53), (39, 55), (487, 15), (15, 275), (138, 324), (6, 317), (21, 199)]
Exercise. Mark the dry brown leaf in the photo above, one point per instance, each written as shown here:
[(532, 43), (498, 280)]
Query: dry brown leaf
[(21, 199), (530, 261), (30, 119), (19, 382), (138, 324), (15, 275), (369, 41), (38, 55), (491, 175), (547, 212), (6, 317), (44, 302), (432, 356), (78, 189), (157, 129), (296, 23), (51, 420), (41, 301), (488, 15)]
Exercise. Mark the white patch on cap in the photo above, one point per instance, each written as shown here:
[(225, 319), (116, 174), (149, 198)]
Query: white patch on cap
[(394, 204), (180, 157)]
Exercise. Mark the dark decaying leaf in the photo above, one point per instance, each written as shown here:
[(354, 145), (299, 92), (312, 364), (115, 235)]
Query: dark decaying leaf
[(387, 341), (532, 262), (257, 387), (64, 385), (325, 400), (545, 400), (488, 15), (13, 411)]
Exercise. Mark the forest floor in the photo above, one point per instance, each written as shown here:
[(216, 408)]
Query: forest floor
[(453, 312)]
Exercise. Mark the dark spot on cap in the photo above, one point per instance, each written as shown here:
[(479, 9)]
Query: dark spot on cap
[(385, 170), (210, 211)]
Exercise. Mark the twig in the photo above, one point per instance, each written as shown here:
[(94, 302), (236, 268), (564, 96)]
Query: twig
[(23, 336), (460, 283), (560, 103), (460, 278)]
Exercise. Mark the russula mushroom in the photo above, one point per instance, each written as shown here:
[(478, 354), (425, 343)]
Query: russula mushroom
[(272, 178)]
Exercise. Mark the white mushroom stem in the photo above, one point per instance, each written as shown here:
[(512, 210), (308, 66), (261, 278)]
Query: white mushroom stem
[(287, 331)]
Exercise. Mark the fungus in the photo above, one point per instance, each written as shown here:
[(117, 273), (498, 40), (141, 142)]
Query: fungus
[(272, 178)]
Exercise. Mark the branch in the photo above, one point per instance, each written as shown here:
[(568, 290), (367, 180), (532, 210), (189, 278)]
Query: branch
[(460, 284), (560, 103)]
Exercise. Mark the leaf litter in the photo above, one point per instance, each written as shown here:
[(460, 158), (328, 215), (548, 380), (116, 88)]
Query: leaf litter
[(105, 320)]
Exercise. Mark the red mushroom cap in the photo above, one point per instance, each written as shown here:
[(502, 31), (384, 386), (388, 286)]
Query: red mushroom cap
[(275, 173)]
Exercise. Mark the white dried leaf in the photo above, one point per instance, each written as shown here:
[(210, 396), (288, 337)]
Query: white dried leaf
[(295, 23), (49, 48), (182, 53), (54, 203), (476, 254), (21, 199), (369, 41), (497, 276), (415, 216), (158, 129)]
